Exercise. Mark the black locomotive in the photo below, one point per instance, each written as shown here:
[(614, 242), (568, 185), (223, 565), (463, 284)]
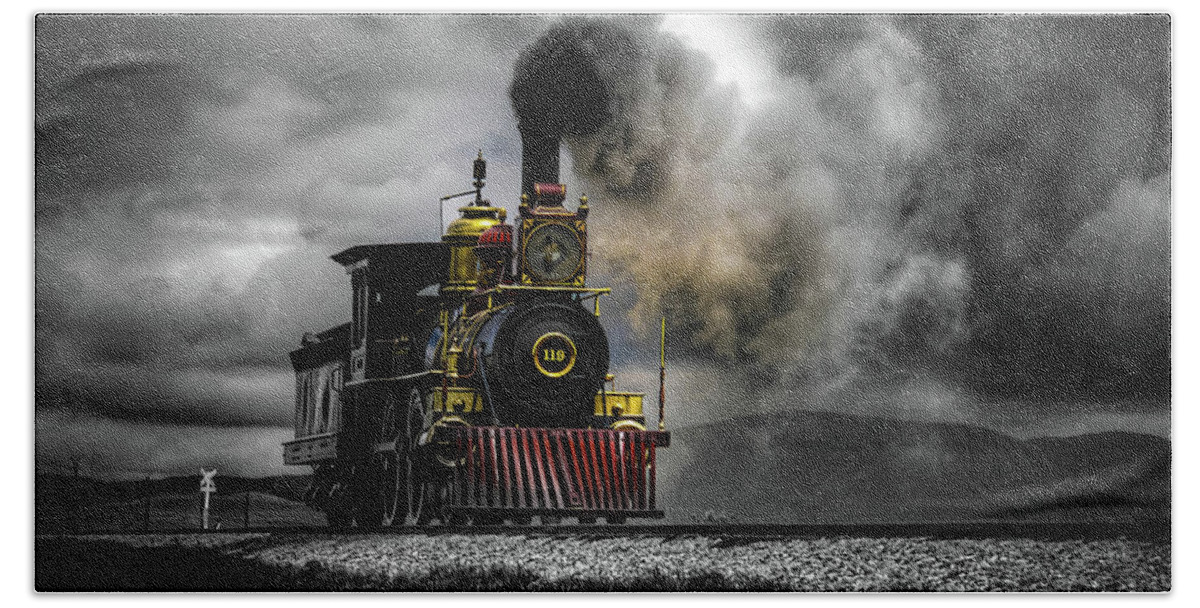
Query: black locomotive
[(472, 383)]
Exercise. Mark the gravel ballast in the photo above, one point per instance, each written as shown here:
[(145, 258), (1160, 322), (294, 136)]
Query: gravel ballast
[(447, 562)]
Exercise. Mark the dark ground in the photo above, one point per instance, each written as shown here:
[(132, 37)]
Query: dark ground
[(847, 477), (490, 561)]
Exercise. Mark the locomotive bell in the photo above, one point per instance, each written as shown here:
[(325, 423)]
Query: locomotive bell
[(496, 238)]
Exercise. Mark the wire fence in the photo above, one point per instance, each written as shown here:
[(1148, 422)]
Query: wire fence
[(67, 501)]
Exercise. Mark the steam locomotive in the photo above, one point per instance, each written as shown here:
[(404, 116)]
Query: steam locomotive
[(471, 384)]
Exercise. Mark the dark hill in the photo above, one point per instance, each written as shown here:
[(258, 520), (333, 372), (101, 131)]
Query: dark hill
[(796, 467), (800, 467)]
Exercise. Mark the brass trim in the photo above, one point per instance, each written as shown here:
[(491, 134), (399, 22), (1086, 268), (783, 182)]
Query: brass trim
[(592, 291), (628, 425), (618, 403), (537, 361), (575, 276)]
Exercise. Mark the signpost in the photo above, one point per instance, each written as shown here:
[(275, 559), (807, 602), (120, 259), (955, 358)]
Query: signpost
[(207, 486), (146, 504)]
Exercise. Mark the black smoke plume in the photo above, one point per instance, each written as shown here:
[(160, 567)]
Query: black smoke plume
[(967, 205), (561, 88), (645, 128)]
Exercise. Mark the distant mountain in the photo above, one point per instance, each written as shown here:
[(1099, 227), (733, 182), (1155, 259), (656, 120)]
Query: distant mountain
[(799, 467)]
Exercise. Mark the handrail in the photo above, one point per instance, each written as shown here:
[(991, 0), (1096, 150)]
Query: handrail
[(594, 291), (393, 378)]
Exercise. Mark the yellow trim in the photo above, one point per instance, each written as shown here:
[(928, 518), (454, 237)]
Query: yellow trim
[(537, 361), (462, 400), (592, 291), (628, 425), (463, 235), (575, 277), (618, 403), (662, 345)]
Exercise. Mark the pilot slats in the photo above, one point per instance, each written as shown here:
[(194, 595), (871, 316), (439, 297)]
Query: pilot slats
[(543, 469)]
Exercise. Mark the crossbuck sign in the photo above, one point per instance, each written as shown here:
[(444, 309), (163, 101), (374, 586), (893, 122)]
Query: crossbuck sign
[(206, 483), (208, 487)]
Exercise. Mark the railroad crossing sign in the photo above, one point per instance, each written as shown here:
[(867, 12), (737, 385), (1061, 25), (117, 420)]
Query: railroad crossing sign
[(206, 483), (208, 487)]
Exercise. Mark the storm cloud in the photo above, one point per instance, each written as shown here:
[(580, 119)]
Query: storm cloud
[(194, 173), (963, 207), (858, 213)]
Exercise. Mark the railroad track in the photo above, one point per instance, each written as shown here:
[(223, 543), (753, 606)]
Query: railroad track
[(1158, 531)]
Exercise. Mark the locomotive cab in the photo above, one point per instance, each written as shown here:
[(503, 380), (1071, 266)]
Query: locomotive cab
[(320, 365), (339, 372), (390, 317)]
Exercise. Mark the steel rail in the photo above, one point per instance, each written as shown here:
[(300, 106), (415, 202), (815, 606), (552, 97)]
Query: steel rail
[(1155, 530)]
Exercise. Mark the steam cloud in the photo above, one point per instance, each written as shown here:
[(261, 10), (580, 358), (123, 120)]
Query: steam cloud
[(911, 210), (978, 205)]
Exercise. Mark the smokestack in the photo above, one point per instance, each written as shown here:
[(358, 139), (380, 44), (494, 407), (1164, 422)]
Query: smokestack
[(561, 87), (539, 158)]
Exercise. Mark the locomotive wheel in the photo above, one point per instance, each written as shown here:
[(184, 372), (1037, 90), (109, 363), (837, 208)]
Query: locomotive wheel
[(393, 483), (396, 466), (615, 519), (413, 485)]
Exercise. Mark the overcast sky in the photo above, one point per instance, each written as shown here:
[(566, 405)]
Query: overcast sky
[(952, 217)]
